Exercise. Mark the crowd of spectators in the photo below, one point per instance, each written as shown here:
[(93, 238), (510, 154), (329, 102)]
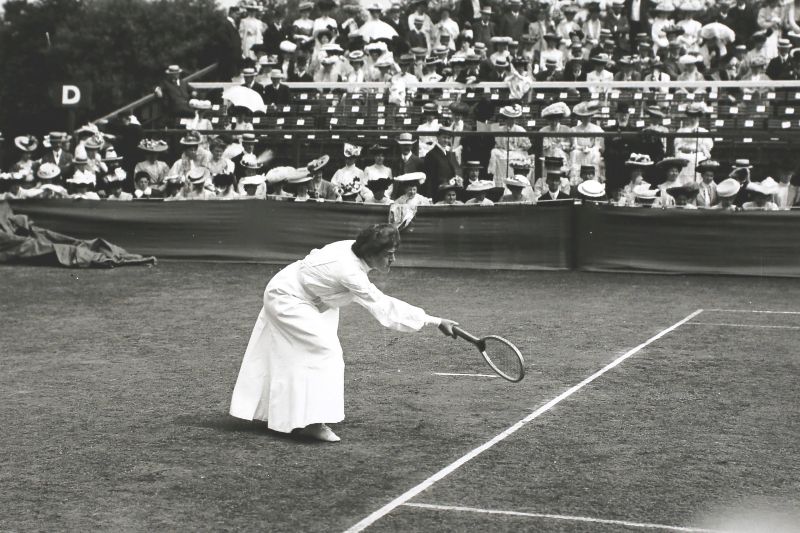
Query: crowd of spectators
[(407, 172)]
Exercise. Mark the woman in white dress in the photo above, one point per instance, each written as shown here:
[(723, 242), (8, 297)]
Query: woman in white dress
[(292, 374), (507, 148), (693, 149), (586, 150)]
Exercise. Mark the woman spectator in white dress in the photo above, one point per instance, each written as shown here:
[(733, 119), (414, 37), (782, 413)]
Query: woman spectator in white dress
[(599, 73), (377, 170), (507, 149), (430, 114), (636, 164), (349, 177), (586, 150), (292, 374), (761, 194), (556, 147), (693, 149)]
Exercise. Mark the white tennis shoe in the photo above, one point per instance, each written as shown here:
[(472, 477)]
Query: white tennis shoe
[(319, 432)]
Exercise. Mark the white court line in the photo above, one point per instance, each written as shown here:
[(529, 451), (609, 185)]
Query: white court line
[(472, 375), (642, 525), (406, 496), (754, 311), (740, 325)]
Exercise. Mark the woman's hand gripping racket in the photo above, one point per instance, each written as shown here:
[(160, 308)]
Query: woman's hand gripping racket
[(504, 358)]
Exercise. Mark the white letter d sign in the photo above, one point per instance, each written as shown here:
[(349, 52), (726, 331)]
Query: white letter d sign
[(70, 95)]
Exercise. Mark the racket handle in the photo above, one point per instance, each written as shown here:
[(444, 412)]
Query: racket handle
[(465, 335)]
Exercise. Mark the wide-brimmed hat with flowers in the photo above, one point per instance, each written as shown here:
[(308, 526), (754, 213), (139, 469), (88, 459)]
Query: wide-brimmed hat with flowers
[(411, 177), (639, 161), (153, 145), (192, 138), (556, 110), (317, 164), (48, 171), (26, 143), (351, 150), (511, 111)]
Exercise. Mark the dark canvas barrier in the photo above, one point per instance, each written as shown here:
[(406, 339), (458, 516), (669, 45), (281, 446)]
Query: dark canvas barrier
[(509, 237), (680, 241)]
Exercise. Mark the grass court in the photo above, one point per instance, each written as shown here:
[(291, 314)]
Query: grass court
[(115, 386)]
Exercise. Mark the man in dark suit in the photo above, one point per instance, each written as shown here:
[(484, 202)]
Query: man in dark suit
[(513, 23), (743, 21), (554, 191), (637, 12), (780, 67), (175, 94), (440, 165), (409, 161), (276, 94), (57, 154), (483, 30), (275, 33)]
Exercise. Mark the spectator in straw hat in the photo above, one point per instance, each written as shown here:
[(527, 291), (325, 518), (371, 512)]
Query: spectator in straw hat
[(507, 148), (47, 184), (25, 165), (741, 173), (586, 150), (406, 189), (644, 195), (253, 177), (58, 153), (276, 94), (637, 165), (320, 189), (592, 191), (175, 94), (599, 72), (449, 192), (199, 184), (441, 164), (277, 178), (727, 190), (692, 148), (408, 161), (556, 146), (477, 193), (156, 169), (671, 168), (780, 66), (761, 196), (82, 185), (191, 156), (515, 187)]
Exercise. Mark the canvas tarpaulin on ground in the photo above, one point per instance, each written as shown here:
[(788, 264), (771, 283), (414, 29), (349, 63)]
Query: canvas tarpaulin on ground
[(22, 241)]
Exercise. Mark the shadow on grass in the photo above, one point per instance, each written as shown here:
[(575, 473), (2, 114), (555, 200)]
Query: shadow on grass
[(230, 424)]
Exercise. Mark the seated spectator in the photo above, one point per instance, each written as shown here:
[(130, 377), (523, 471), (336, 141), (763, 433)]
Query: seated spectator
[(552, 51), (276, 180), (378, 187), (11, 186), (299, 69), (252, 169), (757, 73), (636, 164), (787, 195), (349, 177), (327, 74), (472, 172), (761, 194), (727, 190), (592, 191), (440, 163), (556, 146), (554, 190), (82, 184), (276, 94), (507, 148), (142, 188), (253, 187), (46, 184), (671, 168), (644, 195), (114, 181), (58, 153), (683, 197), (175, 94), (94, 161), (405, 190), (198, 178), (477, 193), (448, 192), (191, 158), (377, 170), (599, 73), (321, 189), (358, 74), (155, 169), (707, 191), (218, 163), (26, 166), (780, 66), (225, 186), (515, 186), (741, 173), (574, 71)]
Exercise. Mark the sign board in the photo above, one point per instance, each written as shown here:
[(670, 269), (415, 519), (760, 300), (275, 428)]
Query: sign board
[(72, 95)]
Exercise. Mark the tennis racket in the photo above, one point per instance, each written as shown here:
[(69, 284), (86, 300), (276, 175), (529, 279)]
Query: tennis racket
[(503, 357)]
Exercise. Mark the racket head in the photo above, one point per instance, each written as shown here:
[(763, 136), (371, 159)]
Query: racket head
[(503, 357)]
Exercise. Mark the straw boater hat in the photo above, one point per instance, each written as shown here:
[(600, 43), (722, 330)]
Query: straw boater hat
[(153, 145), (558, 109), (741, 168), (472, 164), (767, 187), (644, 192), (26, 143), (501, 39), (639, 161), (197, 175), (487, 187), (708, 165), (511, 111), (173, 69), (318, 164), (405, 138), (82, 177), (191, 139), (94, 143), (600, 59), (356, 56), (728, 188), (48, 171), (257, 179), (592, 188), (585, 109), (250, 161), (411, 177), (276, 74), (669, 162), (111, 155)]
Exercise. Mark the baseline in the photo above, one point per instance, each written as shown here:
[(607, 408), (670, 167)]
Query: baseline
[(406, 496), (568, 518), (753, 311), (740, 325)]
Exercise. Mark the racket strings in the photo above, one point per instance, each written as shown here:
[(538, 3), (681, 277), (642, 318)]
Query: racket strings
[(504, 357)]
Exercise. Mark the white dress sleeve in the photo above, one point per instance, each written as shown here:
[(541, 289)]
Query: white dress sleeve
[(390, 312)]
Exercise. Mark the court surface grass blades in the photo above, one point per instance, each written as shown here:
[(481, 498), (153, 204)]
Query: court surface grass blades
[(115, 385)]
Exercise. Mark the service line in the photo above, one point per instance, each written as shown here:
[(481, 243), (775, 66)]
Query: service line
[(406, 496), (466, 375)]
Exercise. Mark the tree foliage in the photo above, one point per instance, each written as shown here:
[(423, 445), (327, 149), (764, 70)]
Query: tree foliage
[(121, 47)]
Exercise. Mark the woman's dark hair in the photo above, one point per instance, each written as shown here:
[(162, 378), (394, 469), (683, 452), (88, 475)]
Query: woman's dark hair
[(375, 239)]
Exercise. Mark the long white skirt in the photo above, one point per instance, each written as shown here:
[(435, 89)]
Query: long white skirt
[(292, 374)]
